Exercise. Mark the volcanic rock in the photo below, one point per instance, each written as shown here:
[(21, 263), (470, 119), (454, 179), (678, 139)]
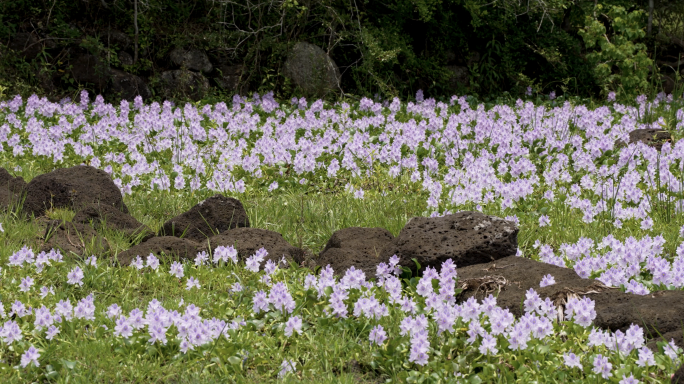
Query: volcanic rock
[(11, 183), (99, 215), (510, 278), (312, 70), (658, 313), (90, 69), (248, 240), (11, 189), (128, 86), (72, 188), (192, 59), (356, 246), (467, 238), (73, 238), (208, 218), (183, 83), (169, 246), (651, 137)]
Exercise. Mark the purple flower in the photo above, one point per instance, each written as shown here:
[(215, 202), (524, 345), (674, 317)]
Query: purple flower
[(602, 366), (75, 276), (377, 335), (488, 345), (192, 282), (293, 324), (646, 357), (123, 328), (137, 263), (113, 311), (152, 262), (260, 302), (52, 331), (26, 284), (30, 356), (287, 366), (201, 258), (629, 380), (225, 254), (177, 270), (544, 220), (547, 280), (572, 360), (10, 332)]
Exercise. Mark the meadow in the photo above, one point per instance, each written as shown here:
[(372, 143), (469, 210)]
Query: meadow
[(555, 167)]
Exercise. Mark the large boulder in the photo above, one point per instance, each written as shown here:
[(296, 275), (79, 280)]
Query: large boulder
[(14, 184), (651, 137), (467, 238), (206, 219), (73, 239), (192, 59), (229, 78), (90, 69), (103, 215), (128, 86), (658, 313), (118, 39), (356, 246), (312, 70), (511, 277), (170, 247), (183, 83), (72, 188), (249, 240)]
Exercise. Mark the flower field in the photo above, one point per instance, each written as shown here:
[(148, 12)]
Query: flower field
[(584, 194)]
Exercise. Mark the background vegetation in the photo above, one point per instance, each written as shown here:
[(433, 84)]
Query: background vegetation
[(390, 48)]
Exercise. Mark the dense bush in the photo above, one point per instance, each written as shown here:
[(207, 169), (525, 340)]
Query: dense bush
[(391, 48)]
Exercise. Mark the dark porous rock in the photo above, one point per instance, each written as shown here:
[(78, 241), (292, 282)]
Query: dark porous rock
[(128, 86), (27, 44), (90, 69), (311, 69), (651, 137), (118, 39), (73, 239), (14, 184), (72, 188), (206, 219), (169, 246), (677, 336), (192, 59), (230, 77), (248, 240), (183, 83), (467, 238), (678, 377), (510, 278), (356, 246), (99, 215), (659, 312), (125, 58)]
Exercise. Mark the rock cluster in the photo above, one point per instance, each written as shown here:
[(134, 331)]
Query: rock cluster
[(483, 248)]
